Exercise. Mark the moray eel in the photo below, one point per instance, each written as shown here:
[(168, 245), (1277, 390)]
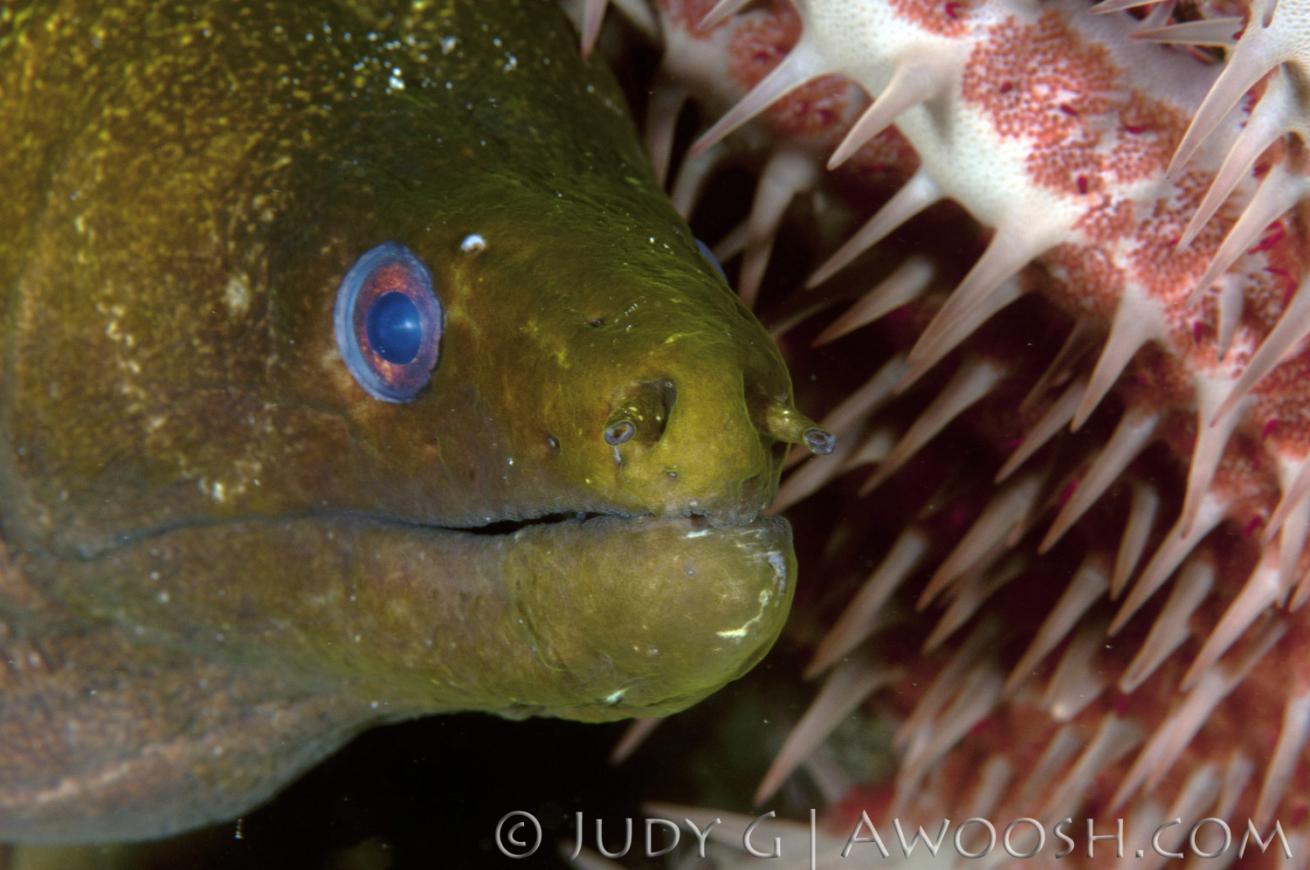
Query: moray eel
[(354, 368)]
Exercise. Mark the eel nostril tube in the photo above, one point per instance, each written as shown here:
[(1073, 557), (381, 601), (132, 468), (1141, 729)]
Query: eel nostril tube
[(641, 412), (619, 432), (789, 425)]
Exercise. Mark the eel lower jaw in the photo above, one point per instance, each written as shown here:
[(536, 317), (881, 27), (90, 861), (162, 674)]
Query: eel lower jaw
[(655, 613), (598, 618)]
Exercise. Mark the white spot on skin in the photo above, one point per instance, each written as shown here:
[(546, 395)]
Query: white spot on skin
[(779, 564), (216, 490), (473, 243), (744, 629), (237, 294), (614, 697)]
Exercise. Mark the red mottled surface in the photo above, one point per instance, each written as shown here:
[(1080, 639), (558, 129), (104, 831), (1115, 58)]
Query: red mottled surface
[(1037, 83), (1148, 133), (943, 17), (687, 14), (1087, 276), (1101, 135), (761, 43)]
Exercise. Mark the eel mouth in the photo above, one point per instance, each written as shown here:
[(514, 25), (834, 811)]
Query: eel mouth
[(591, 617), (492, 528), (698, 520)]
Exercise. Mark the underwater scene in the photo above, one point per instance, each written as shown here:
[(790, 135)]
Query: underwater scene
[(654, 433)]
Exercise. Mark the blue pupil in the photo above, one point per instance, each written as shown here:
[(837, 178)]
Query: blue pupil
[(395, 330)]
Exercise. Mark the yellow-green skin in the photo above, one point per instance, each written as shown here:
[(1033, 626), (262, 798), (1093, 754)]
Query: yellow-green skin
[(221, 557)]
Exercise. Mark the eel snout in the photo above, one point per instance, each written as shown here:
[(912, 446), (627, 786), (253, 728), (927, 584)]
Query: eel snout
[(704, 442)]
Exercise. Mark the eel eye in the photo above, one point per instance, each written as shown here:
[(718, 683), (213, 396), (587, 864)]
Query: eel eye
[(388, 323)]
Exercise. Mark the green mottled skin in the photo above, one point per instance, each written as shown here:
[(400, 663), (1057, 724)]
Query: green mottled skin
[(220, 557)]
